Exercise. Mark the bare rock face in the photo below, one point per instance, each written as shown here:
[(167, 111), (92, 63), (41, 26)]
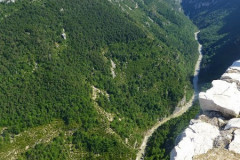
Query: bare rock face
[(222, 97), (233, 123), (224, 139), (205, 134), (235, 144), (197, 139), (224, 94), (213, 118), (218, 154), (235, 67), (231, 77), (233, 74), (64, 36)]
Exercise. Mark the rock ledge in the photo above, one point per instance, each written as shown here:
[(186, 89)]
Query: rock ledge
[(214, 130)]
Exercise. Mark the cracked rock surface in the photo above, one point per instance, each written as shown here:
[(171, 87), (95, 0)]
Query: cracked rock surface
[(207, 132), (215, 134)]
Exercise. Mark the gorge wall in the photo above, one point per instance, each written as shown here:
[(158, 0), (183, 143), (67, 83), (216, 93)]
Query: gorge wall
[(214, 134)]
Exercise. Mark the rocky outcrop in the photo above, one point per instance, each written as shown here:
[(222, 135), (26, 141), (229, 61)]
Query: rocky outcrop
[(235, 144), (214, 130), (113, 66), (64, 36), (233, 123), (209, 131), (232, 75), (225, 93), (218, 154), (199, 138), (222, 97)]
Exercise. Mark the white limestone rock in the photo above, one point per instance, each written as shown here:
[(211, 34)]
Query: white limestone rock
[(64, 36), (222, 97), (233, 74), (233, 123), (181, 151), (235, 67), (197, 139), (231, 78), (113, 67), (224, 139), (235, 144)]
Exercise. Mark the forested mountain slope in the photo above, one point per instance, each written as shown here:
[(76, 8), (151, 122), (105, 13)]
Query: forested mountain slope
[(219, 23), (85, 78)]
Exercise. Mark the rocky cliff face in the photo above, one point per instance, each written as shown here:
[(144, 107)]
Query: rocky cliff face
[(215, 134)]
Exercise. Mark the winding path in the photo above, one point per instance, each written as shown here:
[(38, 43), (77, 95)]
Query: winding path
[(148, 134)]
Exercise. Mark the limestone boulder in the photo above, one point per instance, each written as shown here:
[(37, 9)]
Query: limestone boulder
[(224, 139), (197, 139), (222, 97), (235, 67), (233, 73), (235, 144), (231, 77), (233, 123), (181, 151)]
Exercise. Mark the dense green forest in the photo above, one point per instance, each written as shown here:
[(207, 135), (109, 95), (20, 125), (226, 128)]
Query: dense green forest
[(163, 140), (56, 56), (220, 34)]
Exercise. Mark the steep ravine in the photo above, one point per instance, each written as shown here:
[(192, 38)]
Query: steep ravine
[(184, 108)]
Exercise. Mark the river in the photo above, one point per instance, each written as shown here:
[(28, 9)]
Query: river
[(148, 134)]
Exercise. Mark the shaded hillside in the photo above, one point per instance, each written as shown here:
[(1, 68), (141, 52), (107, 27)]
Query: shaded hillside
[(219, 23), (57, 61)]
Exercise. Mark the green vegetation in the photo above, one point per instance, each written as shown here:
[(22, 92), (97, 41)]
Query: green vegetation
[(55, 150), (163, 140), (220, 31), (28, 139), (44, 77)]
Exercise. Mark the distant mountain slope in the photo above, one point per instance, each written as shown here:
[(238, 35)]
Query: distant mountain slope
[(220, 33), (108, 69)]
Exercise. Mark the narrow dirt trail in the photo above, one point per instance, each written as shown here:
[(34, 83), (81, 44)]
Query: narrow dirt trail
[(148, 134)]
